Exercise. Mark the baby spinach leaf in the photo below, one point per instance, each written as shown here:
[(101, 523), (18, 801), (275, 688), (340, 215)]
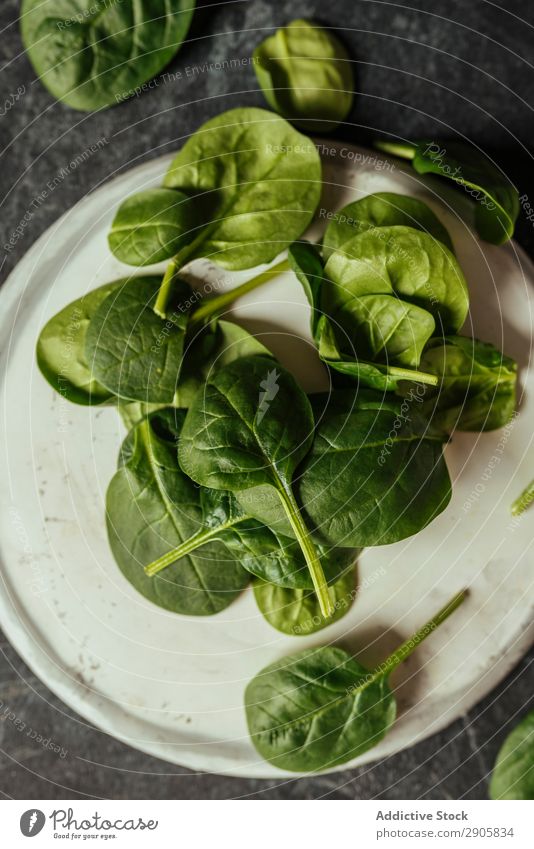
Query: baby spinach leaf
[(93, 53), (388, 287), (477, 384), (305, 260), (383, 209), (306, 75), (376, 473), (131, 351), (151, 226), (61, 350), (296, 611), (497, 200), (513, 775), (152, 507), (261, 180), (321, 708), (250, 426)]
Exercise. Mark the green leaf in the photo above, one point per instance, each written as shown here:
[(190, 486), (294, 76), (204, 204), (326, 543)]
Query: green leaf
[(261, 180), (151, 226), (93, 53), (306, 75), (513, 775), (296, 611), (477, 385), (61, 350), (383, 209), (321, 708), (497, 200), (250, 426), (388, 289), (131, 351), (152, 507)]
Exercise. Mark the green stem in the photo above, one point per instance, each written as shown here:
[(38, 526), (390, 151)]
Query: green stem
[(194, 542), (405, 150), (406, 649), (308, 549), (412, 374), (211, 306), (524, 501), (174, 266)]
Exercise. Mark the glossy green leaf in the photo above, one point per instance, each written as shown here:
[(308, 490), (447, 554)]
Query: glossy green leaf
[(61, 350), (296, 612), (93, 53), (513, 775), (383, 209), (306, 75), (152, 507)]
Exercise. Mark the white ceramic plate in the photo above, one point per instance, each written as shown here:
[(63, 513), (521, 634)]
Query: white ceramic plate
[(173, 686)]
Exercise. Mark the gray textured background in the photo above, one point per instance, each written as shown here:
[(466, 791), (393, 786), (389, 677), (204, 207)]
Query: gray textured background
[(423, 68)]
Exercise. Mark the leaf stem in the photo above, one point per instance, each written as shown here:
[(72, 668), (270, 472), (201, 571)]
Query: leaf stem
[(174, 266), (214, 305), (524, 501), (405, 150), (308, 549), (185, 548), (406, 649), (412, 374)]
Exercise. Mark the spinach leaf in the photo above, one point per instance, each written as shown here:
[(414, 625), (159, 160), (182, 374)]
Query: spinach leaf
[(152, 225), (250, 426), (306, 75), (305, 260), (386, 290), (93, 53), (261, 180), (513, 775), (61, 350), (376, 473), (383, 209), (296, 611), (497, 200), (152, 507), (321, 708), (262, 551), (477, 385)]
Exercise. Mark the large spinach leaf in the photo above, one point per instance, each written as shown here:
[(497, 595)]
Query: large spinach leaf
[(321, 708), (250, 426), (93, 53), (306, 75), (383, 209), (497, 200), (261, 180), (152, 507), (152, 225), (513, 775), (477, 385), (296, 611), (61, 349)]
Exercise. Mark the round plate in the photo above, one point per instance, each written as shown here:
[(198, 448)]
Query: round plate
[(173, 686)]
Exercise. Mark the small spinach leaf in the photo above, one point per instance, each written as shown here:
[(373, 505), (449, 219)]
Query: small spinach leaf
[(383, 209), (250, 426), (61, 350), (321, 708), (93, 53), (513, 775), (477, 385), (497, 200), (151, 507), (151, 226), (306, 75), (296, 611)]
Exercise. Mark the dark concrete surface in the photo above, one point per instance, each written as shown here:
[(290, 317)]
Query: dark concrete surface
[(423, 68)]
